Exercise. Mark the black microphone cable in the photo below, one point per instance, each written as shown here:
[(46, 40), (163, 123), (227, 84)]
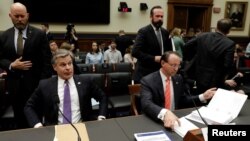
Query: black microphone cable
[(57, 102), (205, 122)]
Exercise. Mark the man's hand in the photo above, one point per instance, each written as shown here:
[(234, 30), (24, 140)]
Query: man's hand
[(170, 119), (209, 93), (21, 65), (157, 59), (231, 83)]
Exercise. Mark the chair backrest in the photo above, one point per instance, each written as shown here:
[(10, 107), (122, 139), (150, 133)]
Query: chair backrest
[(85, 68), (134, 90), (117, 83), (123, 67), (103, 68), (98, 78)]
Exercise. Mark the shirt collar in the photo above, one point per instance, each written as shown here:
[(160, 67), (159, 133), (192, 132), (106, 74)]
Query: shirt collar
[(70, 81), (24, 32), (163, 76)]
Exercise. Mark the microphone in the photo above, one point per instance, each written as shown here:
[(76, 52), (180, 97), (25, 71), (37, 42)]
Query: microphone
[(236, 76), (57, 101), (188, 91)]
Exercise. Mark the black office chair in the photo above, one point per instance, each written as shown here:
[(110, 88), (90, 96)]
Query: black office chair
[(123, 67), (100, 80), (85, 68), (6, 111), (118, 93), (104, 68), (134, 91), (82, 56)]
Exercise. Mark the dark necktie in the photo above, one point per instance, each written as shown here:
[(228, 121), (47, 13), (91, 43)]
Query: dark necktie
[(20, 43), (158, 35), (67, 103)]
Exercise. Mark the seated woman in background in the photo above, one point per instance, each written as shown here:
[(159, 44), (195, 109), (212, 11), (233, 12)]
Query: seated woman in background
[(94, 56), (128, 57)]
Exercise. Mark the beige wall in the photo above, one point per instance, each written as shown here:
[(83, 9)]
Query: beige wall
[(130, 22), (221, 4)]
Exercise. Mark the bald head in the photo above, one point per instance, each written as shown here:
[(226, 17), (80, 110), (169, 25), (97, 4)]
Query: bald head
[(19, 15), (17, 7)]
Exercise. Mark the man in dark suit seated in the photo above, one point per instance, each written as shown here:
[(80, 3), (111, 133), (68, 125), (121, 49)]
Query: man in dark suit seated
[(163, 91), (55, 95)]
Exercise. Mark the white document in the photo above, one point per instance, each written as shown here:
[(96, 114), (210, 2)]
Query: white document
[(152, 136), (186, 125), (222, 109), (204, 133)]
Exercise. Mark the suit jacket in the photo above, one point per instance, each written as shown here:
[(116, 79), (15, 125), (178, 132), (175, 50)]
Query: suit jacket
[(123, 42), (146, 47), (36, 49), (49, 36), (43, 104), (152, 94), (214, 59)]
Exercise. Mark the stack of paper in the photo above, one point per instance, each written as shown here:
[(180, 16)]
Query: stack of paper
[(222, 109), (184, 127), (152, 136), (212, 116)]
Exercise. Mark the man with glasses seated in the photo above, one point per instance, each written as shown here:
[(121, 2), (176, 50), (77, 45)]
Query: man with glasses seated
[(163, 91)]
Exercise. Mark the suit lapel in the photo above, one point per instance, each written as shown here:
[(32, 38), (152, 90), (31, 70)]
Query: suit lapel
[(28, 39), (79, 87), (176, 87), (54, 86), (159, 85), (152, 32), (12, 40)]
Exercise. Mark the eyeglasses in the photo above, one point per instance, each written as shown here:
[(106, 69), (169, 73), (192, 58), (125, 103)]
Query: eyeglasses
[(174, 65)]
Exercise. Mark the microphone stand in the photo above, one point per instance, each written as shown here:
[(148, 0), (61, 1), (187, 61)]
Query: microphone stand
[(205, 122), (57, 101), (78, 135)]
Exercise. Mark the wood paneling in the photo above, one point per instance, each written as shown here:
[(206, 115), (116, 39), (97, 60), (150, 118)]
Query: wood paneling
[(190, 14)]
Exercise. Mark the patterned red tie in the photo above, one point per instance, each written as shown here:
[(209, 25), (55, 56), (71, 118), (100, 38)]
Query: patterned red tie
[(167, 94)]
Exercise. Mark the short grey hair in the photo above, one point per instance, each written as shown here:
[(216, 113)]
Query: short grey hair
[(61, 53)]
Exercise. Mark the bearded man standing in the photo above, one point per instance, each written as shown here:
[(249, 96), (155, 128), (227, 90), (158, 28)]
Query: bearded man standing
[(150, 43)]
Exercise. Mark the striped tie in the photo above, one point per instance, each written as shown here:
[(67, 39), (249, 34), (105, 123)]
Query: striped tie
[(167, 94)]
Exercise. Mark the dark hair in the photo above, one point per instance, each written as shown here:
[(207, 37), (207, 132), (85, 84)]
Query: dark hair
[(97, 50), (51, 41), (70, 26), (224, 25), (153, 8), (61, 53), (166, 55)]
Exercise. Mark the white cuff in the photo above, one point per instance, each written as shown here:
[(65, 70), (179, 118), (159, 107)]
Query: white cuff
[(38, 125), (101, 118), (202, 99), (162, 113)]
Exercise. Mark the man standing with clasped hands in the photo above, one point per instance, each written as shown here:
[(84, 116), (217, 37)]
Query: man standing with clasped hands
[(26, 56)]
